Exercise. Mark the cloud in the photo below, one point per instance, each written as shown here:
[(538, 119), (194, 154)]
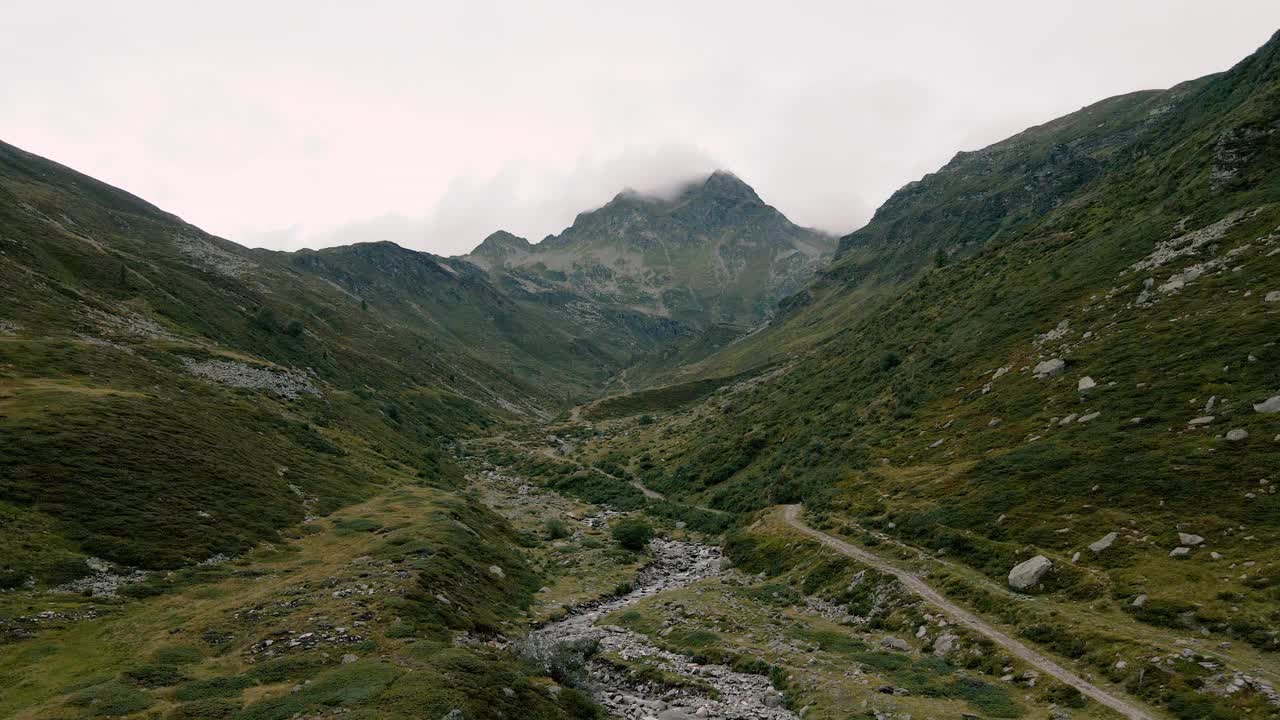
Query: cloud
[(433, 124), (523, 199)]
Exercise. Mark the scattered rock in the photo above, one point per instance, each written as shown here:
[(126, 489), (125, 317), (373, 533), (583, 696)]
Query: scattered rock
[(1270, 405), (1180, 552), (1086, 384), (1237, 434)]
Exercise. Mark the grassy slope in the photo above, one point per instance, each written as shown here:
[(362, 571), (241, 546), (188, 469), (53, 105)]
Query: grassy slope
[(852, 427), (110, 447), (365, 582)]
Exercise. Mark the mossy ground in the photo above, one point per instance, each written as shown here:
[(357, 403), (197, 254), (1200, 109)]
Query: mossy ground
[(195, 649)]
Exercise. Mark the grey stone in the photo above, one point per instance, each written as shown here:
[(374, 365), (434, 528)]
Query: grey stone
[(1103, 543), (1237, 434), (1270, 405), (1027, 574), (1189, 539), (893, 643), (1049, 368)]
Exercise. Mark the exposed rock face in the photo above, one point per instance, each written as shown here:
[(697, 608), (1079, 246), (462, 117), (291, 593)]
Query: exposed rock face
[(285, 383), (714, 253), (1028, 574)]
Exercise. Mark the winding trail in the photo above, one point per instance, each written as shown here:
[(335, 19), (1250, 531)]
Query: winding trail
[(791, 513)]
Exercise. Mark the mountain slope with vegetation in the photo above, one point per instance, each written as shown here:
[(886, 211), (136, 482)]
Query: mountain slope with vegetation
[(673, 277), (1072, 344)]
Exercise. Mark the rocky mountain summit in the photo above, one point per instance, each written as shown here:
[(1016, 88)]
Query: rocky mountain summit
[(711, 254)]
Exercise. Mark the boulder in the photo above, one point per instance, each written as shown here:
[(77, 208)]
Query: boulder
[(1049, 368), (1103, 542), (893, 643), (1086, 384), (1237, 434), (1189, 539), (1028, 574), (944, 644), (1270, 405)]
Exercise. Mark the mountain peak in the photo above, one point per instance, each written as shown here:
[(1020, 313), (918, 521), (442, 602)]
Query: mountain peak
[(724, 184), (500, 244)]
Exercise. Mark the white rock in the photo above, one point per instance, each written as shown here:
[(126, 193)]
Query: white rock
[(1103, 542), (1273, 296), (1237, 434), (1086, 384), (1179, 552), (1088, 416), (1270, 405), (1049, 368), (1202, 420), (1189, 539), (1027, 574), (893, 643)]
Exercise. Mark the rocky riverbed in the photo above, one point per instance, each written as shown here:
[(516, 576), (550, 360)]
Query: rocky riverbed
[(728, 695)]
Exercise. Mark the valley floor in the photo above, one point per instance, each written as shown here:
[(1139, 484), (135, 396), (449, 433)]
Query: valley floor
[(791, 622)]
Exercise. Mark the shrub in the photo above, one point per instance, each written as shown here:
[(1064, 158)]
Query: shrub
[(155, 675), (556, 529), (632, 535), (112, 698)]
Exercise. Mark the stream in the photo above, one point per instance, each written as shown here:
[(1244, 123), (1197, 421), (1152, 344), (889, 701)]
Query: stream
[(736, 696)]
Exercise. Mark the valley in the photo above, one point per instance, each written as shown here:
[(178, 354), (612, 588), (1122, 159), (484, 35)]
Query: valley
[(1009, 450)]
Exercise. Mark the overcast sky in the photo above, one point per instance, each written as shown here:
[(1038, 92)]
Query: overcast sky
[(431, 124)]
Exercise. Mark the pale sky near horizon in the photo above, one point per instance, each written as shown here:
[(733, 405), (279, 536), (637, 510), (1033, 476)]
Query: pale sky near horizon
[(431, 124)]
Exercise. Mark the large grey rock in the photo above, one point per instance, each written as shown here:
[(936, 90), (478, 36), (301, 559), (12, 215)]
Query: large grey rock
[(893, 643), (1028, 574), (944, 644), (1103, 542), (1270, 405), (1237, 434), (1189, 539), (1049, 368), (1086, 384)]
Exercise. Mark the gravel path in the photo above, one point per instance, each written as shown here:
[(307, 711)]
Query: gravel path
[(791, 513)]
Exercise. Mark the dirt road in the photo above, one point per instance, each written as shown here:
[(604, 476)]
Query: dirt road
[(791, 513)]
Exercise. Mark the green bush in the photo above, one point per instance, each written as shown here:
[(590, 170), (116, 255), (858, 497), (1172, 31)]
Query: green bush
[(112, 698), (155, 675), (556, 529), (632, 535)]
